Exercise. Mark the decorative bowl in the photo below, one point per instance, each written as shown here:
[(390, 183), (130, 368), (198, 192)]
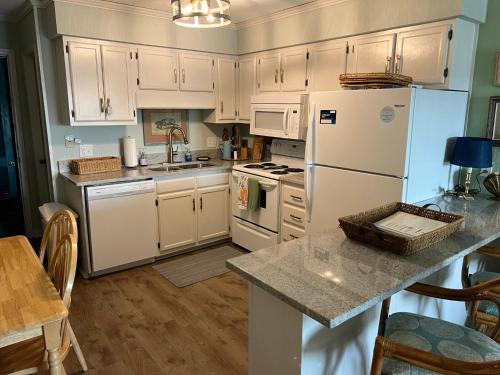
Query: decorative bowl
[(492, 183)]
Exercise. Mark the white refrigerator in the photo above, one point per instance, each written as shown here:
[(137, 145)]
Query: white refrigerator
[(366, 148)]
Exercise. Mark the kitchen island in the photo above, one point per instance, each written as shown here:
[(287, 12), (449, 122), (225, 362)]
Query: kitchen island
[(315, 302)]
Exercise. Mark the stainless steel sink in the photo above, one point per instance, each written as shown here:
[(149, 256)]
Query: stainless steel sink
[(164, 169), (194, 166), (173, 168)]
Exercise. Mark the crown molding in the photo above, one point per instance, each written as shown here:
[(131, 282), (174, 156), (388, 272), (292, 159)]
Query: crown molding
[(297, 10)]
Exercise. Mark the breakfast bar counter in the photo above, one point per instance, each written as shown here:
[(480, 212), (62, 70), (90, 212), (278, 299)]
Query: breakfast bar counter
[(328, 290)]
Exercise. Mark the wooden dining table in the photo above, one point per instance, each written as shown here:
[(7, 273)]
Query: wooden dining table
[(30, 305)]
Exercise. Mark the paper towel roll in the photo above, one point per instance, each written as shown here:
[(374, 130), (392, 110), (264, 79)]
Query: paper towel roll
[(129, 152)]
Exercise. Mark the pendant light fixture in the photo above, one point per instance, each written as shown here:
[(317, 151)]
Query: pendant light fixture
[(201, 13)]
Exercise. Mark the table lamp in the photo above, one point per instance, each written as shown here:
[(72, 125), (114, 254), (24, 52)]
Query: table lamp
[(472, 152)]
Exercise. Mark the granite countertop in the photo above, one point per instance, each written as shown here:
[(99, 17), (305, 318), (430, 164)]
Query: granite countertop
[(140, 173), (332, 279), (295, 178)]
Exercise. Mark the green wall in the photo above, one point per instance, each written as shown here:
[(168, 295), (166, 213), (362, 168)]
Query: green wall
[(484, 74)]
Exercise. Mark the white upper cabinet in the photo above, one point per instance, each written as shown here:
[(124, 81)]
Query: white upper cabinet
[(246, 86), (118, 86), (85, 73), (158, 69), (326, 62), (100, 88), (226, 93), (196, 72), (293, 73), (213, 212), (422, 53), (371, 53), (269, 67)]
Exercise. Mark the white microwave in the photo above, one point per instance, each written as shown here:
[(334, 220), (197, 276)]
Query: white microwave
[(280, 116)]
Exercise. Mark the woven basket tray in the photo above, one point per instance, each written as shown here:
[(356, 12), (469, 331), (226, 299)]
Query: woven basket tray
[(359, 227), (374, 80), (95, 165)]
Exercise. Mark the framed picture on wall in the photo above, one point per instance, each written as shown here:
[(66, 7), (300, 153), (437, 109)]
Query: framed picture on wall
[(493, 131), (157, 123), (497, 70)]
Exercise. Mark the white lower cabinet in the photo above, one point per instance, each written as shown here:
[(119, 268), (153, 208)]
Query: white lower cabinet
[(192, 210), (177, 219), (213, 214), (293, 212)]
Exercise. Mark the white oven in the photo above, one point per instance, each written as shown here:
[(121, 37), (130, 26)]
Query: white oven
[(281, 116)]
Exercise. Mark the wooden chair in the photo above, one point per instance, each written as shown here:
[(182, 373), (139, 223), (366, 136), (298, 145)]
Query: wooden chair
[(29, 356), (412, 344), (484, 314), (62, 223)]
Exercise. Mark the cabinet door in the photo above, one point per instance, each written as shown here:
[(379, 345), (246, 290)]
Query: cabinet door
[(423, 54), (293, 72), (177, 219), (326, 62), (246, 86), (269, 72), (118, 89), (226, 67), (371, 54), (213, 214), (158, 69), (196, 72), (85, 70)]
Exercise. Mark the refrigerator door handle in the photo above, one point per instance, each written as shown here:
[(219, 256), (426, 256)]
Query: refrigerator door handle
[(308, 191), (310, 134)]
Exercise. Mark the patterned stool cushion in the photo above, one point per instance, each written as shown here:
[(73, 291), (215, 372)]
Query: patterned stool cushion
[(486, 307), (436, 336)]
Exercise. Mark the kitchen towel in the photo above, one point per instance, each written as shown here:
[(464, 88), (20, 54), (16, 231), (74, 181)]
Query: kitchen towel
[(253, 194), (242, 192)]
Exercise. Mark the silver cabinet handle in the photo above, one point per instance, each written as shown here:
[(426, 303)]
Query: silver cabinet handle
[(293, 237), (175, 75), (276, 76), (194, 205), (222, 106), (201, 203), (398, 64), (388, 64), (294, 197), (296, 218), (183, 76), (282, 76), (109, 109), (101, 104)]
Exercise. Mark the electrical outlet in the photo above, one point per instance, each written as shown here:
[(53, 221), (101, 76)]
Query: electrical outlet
[(211, 142), (69, 140), (86, 150)]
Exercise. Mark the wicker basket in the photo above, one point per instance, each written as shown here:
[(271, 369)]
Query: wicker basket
[(95, 165), (374, 80), (359, 227)]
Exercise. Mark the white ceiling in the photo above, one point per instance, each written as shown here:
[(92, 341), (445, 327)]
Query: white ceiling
[(241, 10)]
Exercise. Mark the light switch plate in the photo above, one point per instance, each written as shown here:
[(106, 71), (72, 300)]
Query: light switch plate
[(86, 150)]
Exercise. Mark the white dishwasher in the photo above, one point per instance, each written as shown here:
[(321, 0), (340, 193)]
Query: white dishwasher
[(123, 226)]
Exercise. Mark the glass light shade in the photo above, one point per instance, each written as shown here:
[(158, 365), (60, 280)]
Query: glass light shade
[(201, 13)]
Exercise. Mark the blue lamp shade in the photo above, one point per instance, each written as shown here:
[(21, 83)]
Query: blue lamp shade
[(473, 152)]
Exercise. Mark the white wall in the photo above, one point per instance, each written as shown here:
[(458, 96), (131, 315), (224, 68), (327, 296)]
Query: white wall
[(91, 22), (350, 17)]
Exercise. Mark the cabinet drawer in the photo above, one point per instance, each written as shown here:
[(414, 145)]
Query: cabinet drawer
[(178, 184), (293, 195), (213, 180), (294, 215), (290, 232)]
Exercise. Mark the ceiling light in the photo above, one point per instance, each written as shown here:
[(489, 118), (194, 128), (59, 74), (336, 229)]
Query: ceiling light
[(201, 13)]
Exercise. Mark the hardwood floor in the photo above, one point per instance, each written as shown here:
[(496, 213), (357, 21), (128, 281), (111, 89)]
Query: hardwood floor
[(137, 322)]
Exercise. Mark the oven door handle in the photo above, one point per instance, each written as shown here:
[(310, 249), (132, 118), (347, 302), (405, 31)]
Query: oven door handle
[(268, 185)]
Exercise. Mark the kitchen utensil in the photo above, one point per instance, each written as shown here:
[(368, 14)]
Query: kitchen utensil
[(226, 149), (492, 183)]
